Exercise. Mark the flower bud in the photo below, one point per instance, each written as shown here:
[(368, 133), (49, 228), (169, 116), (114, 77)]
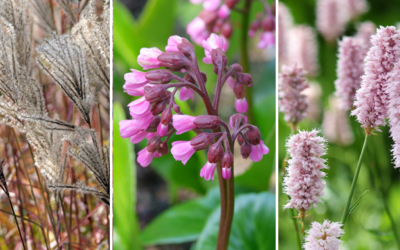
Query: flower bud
[(237, 120), (253, 135), (186, 47), (245, 79), (159, 76), (209, 17), (245, 150), (155, 93), (166, 116), (153, 124), (240, 139), (227, 160), (154, 144), (189, 78), (238, 90), (158, 107), (236, 68), (163, 149), (176, 108), (174, 60), (268, 24), (202, 141), (218, 59), (231, 3), (207, 122), (226, 29), (215, 153)]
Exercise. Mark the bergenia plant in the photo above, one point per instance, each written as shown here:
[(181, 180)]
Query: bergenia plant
[(156, 116)]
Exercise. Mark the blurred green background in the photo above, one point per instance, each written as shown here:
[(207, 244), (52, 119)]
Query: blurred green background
[(167, 204), (369, 226)]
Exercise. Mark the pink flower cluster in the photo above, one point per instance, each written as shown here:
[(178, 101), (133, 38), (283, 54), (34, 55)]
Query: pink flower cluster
[(292, 102), (153, 117), (213, 19), (364, 31), (303, 181), (332, 16), (350, 68), (372, 98), (393, 91), (265, 22), (324, 236), (285, 22)]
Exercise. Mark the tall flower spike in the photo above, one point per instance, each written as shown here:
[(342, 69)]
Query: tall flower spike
[(303, 182), (304, 51), (293, 104), (393, 90), (364, 31), (371, 99), (332, 16), (357, 7), (313, 93), (324, 237), (350, 68), (285, 22)]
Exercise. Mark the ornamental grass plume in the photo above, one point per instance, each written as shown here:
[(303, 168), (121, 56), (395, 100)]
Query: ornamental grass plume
[(285, 24), (393, 91), (325, 236), (350, 68), (292, 102), (303, 182), (372, 99), (304, 51), (156, 115), (332, 16)]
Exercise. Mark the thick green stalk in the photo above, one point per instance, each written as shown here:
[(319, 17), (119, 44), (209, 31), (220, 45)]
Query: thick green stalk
[(353, 184)]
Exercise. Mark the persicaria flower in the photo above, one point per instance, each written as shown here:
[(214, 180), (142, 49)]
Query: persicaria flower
[(364, 31), (285, 23), (332, 16), (393, 90), (213, 42), (303, 181), (148, 58), (324, 236)]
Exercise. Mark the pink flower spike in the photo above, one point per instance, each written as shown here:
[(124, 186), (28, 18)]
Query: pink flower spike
[(186, 93), (226, 173), (128, 128), (148, 58), (139, 108), (183, 123), (325, 236), (267, 39), (241, 105), (211, 5), (138, 137), (144, 157), (182, 151), (162, 129), (231, 82), (173, 42), (213, 42), (135, 79), (258, 151), (224, 11), (208, 171)]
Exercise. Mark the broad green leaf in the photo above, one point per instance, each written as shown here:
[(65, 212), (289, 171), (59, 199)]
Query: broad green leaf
[(124, 189), (181, 223), (354, 206), (253, 225)]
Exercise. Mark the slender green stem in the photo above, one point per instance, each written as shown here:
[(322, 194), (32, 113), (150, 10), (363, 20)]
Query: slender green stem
[(298, 237), (16, 221), (353, 184)]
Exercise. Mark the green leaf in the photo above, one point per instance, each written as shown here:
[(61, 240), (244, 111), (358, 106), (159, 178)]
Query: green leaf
[(253, 225), (354, 206), (181, 223), (124, 188)]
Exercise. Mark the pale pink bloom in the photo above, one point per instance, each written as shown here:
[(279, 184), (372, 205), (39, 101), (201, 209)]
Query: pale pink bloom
[(292, 102), (138, 137), (213, 42), (208, 171), (133, 91), (183, 123), (257, 151), (267, 39), (285, 23), (303, 51), (139, 108), (173, 42), (186, 94), (129, 128), (182, 151), (350, 68), (313, 93), (224, 11), (211, 5), (364, 31), (231, 81), (197, 30), (303, 181), (332, 16), (393, 90), (357, 7), (148, 58), (371, 99), (144, 157), (162, 129), (324, 237), (226, 173), (241, 105), (135, 79)]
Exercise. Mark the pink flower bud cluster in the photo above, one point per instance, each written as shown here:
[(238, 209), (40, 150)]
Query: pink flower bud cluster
[(332, 16), (156, 116), (393, 91), (265, 22), (303, 182), (285, 22), (324, 236), (372, 99), (213, 19), (292, 102), (304, 51), (350, 68)]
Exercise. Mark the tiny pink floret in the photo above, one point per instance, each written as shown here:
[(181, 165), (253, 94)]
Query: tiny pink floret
[(183, 123), (148, 58), (241, 105), (257, 151), (182, 151), (207, 172)]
